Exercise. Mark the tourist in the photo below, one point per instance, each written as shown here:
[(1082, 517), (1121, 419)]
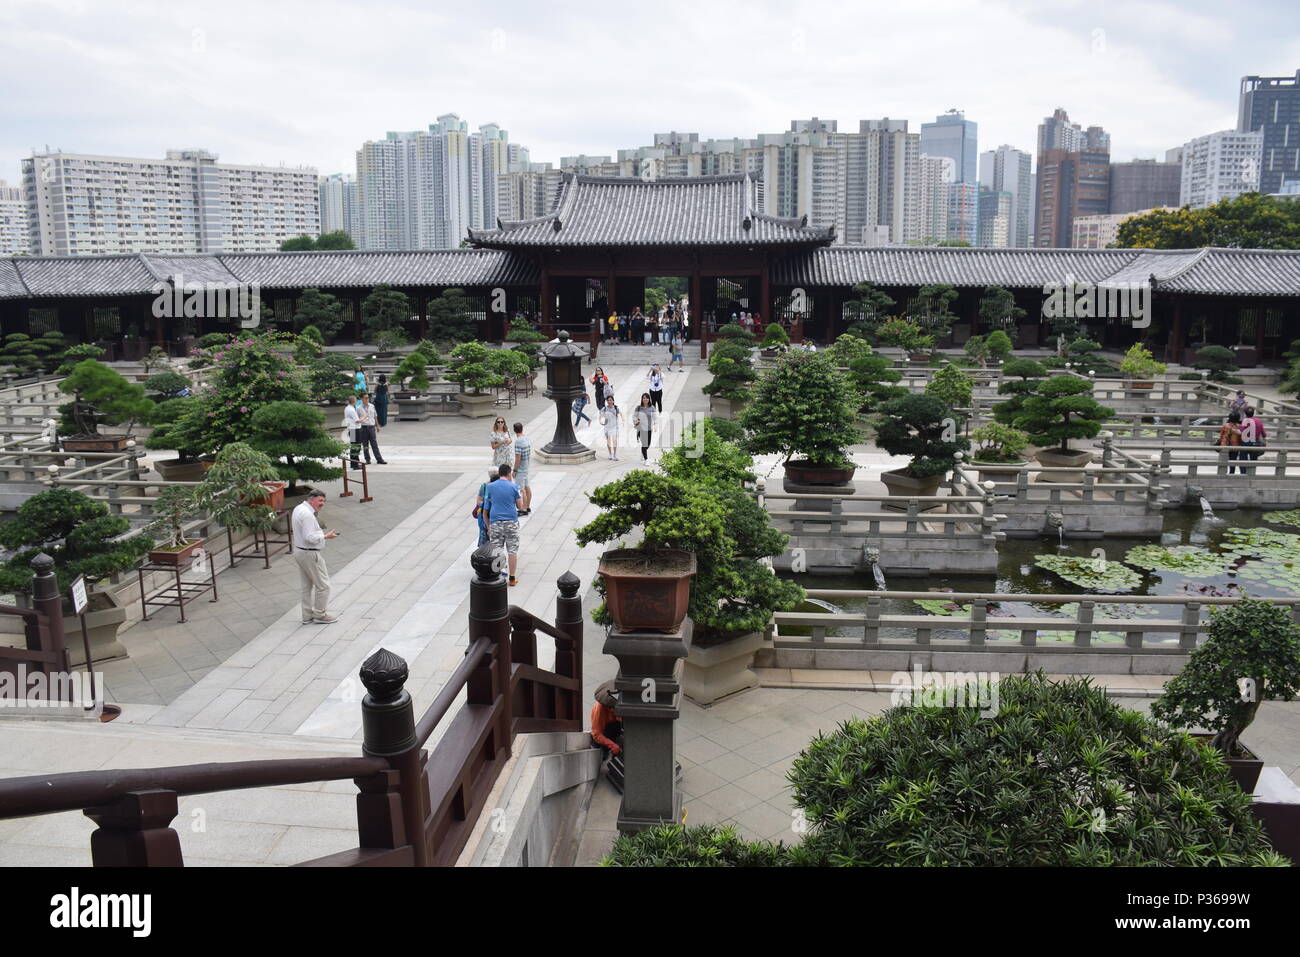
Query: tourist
[(308, 541), (1239, 404), (523, 456), (643, 419), (480, 508), (579, 404), (606, 726), (503, 517), (381, 400), (638, 326), (367, 425), (1230, 437), (611, 326), (600, 383), (676, 353), (656, 379), (1253, 435), (610, 422), (359, 380), (351, 427), (502, 442)]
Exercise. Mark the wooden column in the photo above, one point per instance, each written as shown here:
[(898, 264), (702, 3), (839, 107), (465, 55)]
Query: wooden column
[(356, 317), (548, 305), (1261, 312), (697, 312), (157, 325), (424, 316), (765, 293), (1176, 333)]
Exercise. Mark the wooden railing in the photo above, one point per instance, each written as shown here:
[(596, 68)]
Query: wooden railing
[(45, 652), (414, 808), (976, 623)]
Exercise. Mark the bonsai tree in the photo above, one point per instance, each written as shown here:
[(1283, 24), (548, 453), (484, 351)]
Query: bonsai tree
[(471, 366), (977, 350), (929, 309), (234, 481), (68, 360), (774, 337), (867, 307), (329, 378), (308, 348), (998, 346), (388, 341), (292, 436), (510, 364), (174, 506), (25, 355), (846, 348), (998, 443), (732, 370), (1252, 655), (451, 317), (998, 308), (1138, 363), (167, 420), (527, 341), (165, 386), (320, 312), (1219, 361), (410, 373), (1019, 381), (804, 405), (734, 332), (100, 395), (156, 358), (952, 387), (76, 531), (384, 308), (1086, 355), (871, 376), (1059, 409), (903, 334), (427, 349), (923, 427)]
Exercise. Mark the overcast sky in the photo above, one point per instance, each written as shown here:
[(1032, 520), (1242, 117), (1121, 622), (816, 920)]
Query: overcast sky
[(275, 81)]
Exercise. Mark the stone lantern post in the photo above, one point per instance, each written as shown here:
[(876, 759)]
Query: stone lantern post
[(563, 384)]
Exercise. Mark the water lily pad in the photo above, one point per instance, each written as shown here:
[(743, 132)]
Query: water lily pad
[(1184, 559), (1290, 517), (1093, 574)]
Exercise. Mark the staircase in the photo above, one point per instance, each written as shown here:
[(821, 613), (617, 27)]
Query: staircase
[(625, 354)]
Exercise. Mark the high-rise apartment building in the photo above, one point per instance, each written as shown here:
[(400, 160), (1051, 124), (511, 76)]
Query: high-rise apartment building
[(954, 136), (528, 190), (1271, 105), (489, 157), (935, 175), (1008, 170), (1219, 166), (963, 212), (84, 204), (1073, 178), (996, 218), (1144, 184), (15, 238), (1099, 232), (338, 206), (897, 202)]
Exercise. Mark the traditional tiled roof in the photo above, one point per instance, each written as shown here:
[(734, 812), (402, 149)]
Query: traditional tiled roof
[(624, 211), (1211, 271), (11, 284), (84, 276)]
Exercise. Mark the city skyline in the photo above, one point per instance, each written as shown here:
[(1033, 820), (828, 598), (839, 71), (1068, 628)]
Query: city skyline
[(138, 83)]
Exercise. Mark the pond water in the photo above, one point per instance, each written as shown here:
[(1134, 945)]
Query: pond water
[(1237, 553)]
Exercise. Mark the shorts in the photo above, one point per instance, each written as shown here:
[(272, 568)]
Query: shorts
[(521, 477), (505, 535)]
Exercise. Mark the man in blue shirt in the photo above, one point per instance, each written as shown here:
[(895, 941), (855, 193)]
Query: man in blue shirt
[(503, 517)]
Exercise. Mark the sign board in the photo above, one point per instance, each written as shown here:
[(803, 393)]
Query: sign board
[(79, 600)]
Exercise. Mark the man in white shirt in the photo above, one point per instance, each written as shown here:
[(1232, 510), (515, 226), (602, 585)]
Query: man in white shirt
[(367, 420), (351, 423), (308, 541)]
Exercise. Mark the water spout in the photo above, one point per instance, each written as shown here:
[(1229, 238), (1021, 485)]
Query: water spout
[(871, 555), (1206, 510), (1056, 520), (825, 606)]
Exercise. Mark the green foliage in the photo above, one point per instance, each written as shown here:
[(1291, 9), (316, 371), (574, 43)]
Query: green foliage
[(1059, 409), (930, 308), (868, 306), (472, 366), (174, 506), (904, 334), (709, 453), (430, 352), (654, 300), (920, 426), (671, 845), (27, 356), (1190, 560), (451, 317), (804, 405), (293, 435), (320, 312), (977, 350), (1220, 361), (410, 373), (100, 396), (1018, 381), (388, 341), (732, 370), (734, 332), (1092, 574), (213, 339), (68, 360), (870, 375), (1138, 363), (995, 442), (998, 308), (312, 333), (774, 336), (952, 387), (329, 378), (1250, 640), (1251, 221), (527, 342), (76, 531), (846, 348), (510, 364), (165, 417), (233, 481), (730, 432), (339, 239), (1086, 356), (998, 345), (296, 244), (165, 385), (384, 308)]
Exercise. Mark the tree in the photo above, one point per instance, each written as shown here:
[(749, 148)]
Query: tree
[(868, 307), (298, 244), (1018, 382), (732, 371), (527, 341), (654, 300), (471, 366), (339, 239), (1059, 409), (451, 317), (952, 387), (923, 427), (774, 337), (321, 311), (1250, 221), (904, 334), (998, 308), (929, 309), (804, 405), (410, 373), (292, 434), (100, 395), (385, 308), (232, 487), (998, 345), (74, 354), (1220, 361), (26, 355)]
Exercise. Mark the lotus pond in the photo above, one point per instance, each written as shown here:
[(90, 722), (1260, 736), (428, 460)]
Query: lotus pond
[(1241, 553)]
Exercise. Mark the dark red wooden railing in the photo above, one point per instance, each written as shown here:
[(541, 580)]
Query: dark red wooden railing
[(45, 652)]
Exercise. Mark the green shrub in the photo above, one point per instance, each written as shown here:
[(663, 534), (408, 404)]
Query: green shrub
[(212, 340), (410, 373), (1219, 361), (671, 845), (234, 481), (292, 434), (165, 385), (998, 307), (451, 317), (904, 334), (1059, 409), (998, 443), (385, 308), (100, 396), (774, 336), (472, 366), (732, 369), (952, 387), (320, 313), (734, 332), (74, 354), (1138, 363), (1018, 381), (923, 427), (804, 405), (389, 340), (998, 345)]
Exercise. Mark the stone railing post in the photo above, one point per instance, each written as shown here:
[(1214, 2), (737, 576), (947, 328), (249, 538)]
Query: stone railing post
[(47, 600), (568, 650)]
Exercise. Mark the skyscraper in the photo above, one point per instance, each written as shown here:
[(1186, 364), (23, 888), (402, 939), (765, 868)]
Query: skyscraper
[(1144, 184), (338, 205), (995, 218), (935, 175), (1008, 170), (1073, 178), (1219, 166), (15, 239), (1271, 105), (953, 136)]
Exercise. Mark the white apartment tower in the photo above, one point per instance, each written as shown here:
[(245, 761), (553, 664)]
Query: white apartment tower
[(1007, 170), (84, 204), (15, 237), (338, 206), (935, 174), (1219, 166)]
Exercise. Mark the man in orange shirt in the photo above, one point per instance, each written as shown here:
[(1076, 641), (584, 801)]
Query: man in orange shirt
[(606, 726)]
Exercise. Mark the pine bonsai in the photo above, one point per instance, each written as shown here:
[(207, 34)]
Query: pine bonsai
[(868, 308), (734, 332), (234, 482), (923, 427), (1059, 409), (100, 395), (774, 337), (732, 370), (998, 308), (70, 356), (527, 341), (1019, 381), (998, 346), (319, 312), (292, 435), (1220, 362), (410, 373), (385, 308), (930, 309), (1252, 655), (451, 317), (804, 405), (165, 386), (510, 364), (471, 366)]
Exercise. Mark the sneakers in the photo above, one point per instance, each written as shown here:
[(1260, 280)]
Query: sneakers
[(513, 580), (381, 462), (325, 619), (308, 621)]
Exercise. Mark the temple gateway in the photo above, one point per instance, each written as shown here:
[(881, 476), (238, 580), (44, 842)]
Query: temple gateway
[(608, 235)]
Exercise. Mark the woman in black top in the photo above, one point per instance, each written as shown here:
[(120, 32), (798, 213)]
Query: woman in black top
[(381, 401), (598, 382)]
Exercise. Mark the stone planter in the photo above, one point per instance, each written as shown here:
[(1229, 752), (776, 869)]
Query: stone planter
[(412, 407), (174, 470), (1243, 770), (95, 443), (998, 471), (725, 408), (103, 618), (175, 556), (721, 670), (898, 482), (647, 591), (477, 406), (803, 472), (1142, 384), (1056, 459)]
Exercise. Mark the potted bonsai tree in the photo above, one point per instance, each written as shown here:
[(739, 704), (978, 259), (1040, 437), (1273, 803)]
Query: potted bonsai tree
[(412, 376), (906, 335), (527, 341), (1219, 362), (733, 373), (1019, 380), (999, 452), (1140, 366), (235, 491), (83, 539), (1060, 409), (511, 365), (174, 506), (735, 332), (805, 406), (930, 309), (951, 386), (775, 341), (923, 427), (647, 588), (1252, 654), (100, 395), (471, 366), (293, 438), (871, 375)]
